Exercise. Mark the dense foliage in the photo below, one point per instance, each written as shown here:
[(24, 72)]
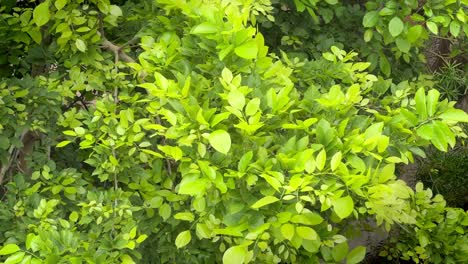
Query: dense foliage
[(166, 132)]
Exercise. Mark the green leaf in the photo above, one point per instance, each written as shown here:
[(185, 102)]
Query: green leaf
[(414, 33), (432, 27), (41, 14), (370, 19), (220, 140), (4, 142), (306, 232), (339, 251), (185, 216), (395, 26), (247, 50), (204, 28), (59, 4), (335, 160), (264, 201), (384, 65), (403, 45), (183, 238), (115, 10), (387, 173), (356, 255), (287, 230), (425, 131), (236, 99), (321, 159), (9, 249), (235, 255), (343, 206), (15, 258), (63, 143), (455, 28), (420, 98), (80, 45), (173, 152), (432, 99), (454, 115), (252, 107)]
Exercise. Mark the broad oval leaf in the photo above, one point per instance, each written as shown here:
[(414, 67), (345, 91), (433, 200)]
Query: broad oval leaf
[(220, 140), (247, 50), (80, 45), (204, 28), (264, 201), (306, 232), (235, 255), (454, 115), (9, 249), (370, 19), (343, 206), (395, 26), (183, 238), (432, 27), (321, 159), (356, 255), (339, 251), (59, 4), (41, 14), (432, 100), (287, 230)]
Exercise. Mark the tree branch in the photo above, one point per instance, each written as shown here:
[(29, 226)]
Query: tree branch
[(117, 50)]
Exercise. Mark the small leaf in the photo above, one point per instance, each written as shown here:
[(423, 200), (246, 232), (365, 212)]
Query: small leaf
[(235, 255), (63, 143), (220, 140), (247, 50), (320, 159), (9, 249), (356, 255), (384, 65), (343, 206), (287, 230), (370, 19), (204, 28), (183, 238), (236, 99), (306, 232), (59, 4), (454, 28), (432, 99), (80, 45), (41, 14), (185, 216), (420, 98), (336, 160), (414, 33), (340, 251), (252, 107), (432, 27), (115, 10), (454, 115), (395, 26), (264, 201), (403, 45)]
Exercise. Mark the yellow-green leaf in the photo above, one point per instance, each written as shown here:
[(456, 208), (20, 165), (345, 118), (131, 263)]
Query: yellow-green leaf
[(183, 238), (41, 14), (264, 201)]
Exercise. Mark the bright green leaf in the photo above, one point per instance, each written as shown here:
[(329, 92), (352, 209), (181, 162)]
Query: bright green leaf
[(454, 115), (306, 232), (287, 230), (59, 4), (264, 201), (247, 50), (41, 14), (220, 140), (395, 26), (432, 27), (235, 255), (432, 99), (183, 238), (9, 249), (343, 206), (370, 19), (321, 159), (356, 255), (80, 45)]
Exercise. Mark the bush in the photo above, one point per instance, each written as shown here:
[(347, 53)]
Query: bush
[(190, 143)]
